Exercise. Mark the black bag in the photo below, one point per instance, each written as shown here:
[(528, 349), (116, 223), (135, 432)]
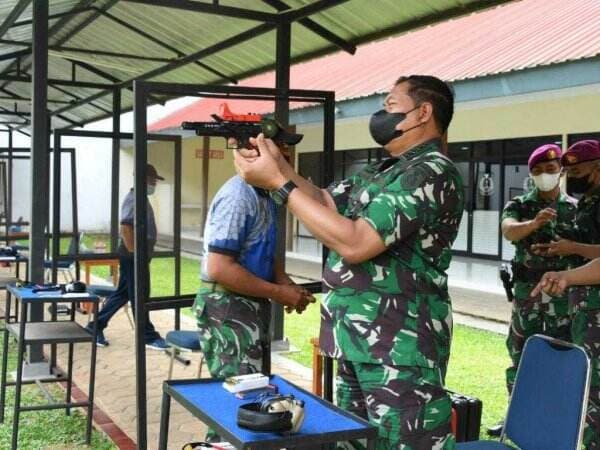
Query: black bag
[(467, 411)]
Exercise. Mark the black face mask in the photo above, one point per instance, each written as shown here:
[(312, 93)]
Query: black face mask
[(578, 185), (382, 126)]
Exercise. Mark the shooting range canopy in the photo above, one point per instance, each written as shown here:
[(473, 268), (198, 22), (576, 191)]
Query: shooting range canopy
[(97, 46)]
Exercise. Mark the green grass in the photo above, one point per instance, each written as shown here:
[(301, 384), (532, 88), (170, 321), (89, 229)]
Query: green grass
[(46, 429)]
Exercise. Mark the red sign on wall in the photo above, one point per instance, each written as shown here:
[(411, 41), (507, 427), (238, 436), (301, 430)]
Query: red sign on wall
[(212, 154)]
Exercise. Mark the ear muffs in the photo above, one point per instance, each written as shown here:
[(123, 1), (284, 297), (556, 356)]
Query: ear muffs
[(76, 287), (278, 414)]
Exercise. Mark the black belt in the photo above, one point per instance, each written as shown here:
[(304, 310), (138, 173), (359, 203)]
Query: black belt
[(526, 274)]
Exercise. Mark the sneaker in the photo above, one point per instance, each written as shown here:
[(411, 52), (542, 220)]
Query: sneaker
[(158, 344), (100, 339)]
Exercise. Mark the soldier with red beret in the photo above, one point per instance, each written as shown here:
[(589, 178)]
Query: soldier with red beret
[(582, 164), (539, 216)]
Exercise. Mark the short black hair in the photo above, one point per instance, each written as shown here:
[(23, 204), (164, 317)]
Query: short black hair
[(426, 88)]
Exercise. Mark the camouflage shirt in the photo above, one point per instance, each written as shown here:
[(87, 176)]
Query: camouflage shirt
[(587, 229), (525, 207), (394, 308)]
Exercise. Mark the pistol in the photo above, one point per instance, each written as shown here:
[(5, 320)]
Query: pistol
[(242, 127)]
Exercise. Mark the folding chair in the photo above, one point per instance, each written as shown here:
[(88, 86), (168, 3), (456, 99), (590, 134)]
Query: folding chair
[(549, 400), (64, 266), (183, 341)]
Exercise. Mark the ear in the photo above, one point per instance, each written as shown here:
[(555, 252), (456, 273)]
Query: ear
[(425, 112)]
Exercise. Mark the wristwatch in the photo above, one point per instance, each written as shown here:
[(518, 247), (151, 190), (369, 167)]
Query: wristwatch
[(280, 196)]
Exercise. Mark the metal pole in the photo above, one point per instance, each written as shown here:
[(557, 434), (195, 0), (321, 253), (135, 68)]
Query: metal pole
[(39, 159), (328, 167), (9, 186), (116, 144), (141, 256), (177, 227), (282, 114)]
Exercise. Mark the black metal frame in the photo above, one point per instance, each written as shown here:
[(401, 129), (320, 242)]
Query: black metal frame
[(287, 441), (143, 90), (116, 138)]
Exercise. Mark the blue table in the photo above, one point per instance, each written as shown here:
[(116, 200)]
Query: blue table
[(206, 399), (46, 332)]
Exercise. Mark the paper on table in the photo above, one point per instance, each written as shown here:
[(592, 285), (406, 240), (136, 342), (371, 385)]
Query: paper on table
[(76, 294)]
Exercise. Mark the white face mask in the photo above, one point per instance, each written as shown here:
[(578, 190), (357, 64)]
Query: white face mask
[(546, 181), (150, 188)]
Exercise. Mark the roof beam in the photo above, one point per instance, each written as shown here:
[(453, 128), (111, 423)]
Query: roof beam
[(301, 12), (97, 52), (77, 98), (13, 16), (65, 20), (164, 45), (70, 12), (57, 82), (28, 100), (206, 8), (230, 42), (107, 76), (316, 28)]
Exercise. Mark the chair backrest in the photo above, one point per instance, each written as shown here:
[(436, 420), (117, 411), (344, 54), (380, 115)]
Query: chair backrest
[(549, 399)]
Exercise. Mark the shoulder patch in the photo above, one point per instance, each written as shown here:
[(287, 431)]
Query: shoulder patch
[(415, 177)]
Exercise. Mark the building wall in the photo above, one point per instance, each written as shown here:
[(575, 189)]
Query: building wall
[(573, 110)]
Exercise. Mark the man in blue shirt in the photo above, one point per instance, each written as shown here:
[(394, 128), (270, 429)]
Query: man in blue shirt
[(126, 288)]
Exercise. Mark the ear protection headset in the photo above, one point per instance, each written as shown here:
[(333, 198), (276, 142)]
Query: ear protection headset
[(76, 287), (278, 413)]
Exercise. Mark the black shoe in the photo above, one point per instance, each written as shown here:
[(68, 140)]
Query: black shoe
[(496, 430)]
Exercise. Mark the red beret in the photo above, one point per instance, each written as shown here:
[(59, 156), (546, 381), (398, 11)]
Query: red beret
[(545, 153), (581, 151)]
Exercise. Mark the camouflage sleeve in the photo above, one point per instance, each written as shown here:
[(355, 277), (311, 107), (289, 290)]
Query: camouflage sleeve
[(416, 198), (340, 192), (511, 211)]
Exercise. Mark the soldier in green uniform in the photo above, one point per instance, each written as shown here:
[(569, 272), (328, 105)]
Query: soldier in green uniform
[(582, 163), (538, 217), (387, 316)]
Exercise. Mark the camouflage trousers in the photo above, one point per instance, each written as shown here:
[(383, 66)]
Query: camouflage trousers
[(548, 316), (233, 333), (586, 333), (408, 405)]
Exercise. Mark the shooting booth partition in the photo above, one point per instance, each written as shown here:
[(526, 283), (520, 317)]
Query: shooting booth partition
[(175, 253), (142, 92)]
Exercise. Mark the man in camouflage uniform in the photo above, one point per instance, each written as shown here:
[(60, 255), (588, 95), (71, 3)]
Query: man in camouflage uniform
[(582, 163), (538, 217), (387, 317), (239, 274)]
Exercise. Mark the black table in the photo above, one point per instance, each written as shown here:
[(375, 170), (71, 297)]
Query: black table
[(49, 332), (206, 399)]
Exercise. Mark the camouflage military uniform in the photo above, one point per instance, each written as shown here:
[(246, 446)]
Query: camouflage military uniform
[(585, 301), (232, 332), (389, 320), (541, 314)]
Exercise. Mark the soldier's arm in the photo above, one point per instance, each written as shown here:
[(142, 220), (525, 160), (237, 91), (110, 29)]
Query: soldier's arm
[(354, 240), (515, 230), (588, 251), (584, 275), (225, 270)]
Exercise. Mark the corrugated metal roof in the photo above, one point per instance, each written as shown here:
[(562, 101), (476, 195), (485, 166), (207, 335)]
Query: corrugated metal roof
[(354, 21), (516, 36)]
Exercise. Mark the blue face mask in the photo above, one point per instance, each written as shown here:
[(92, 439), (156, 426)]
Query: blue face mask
[(382, 126), (150, 189)]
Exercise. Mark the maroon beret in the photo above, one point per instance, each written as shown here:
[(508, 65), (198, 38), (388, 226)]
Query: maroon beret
[(581, 151), (545, 153)]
